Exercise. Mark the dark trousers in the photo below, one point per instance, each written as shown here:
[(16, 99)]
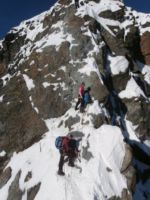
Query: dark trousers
[(71, 156), (77, 104), (77, 4), (61, 161), (80, 101)]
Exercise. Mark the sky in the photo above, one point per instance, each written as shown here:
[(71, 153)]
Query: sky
[(12, 12), (139, 5)]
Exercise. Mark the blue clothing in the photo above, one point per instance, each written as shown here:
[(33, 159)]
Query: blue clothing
[(87, 98)]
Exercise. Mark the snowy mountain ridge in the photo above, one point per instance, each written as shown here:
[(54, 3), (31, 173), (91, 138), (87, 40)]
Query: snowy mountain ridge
[(42, 63)]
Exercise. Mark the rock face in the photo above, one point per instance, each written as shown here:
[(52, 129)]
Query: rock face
[(141, 120), (42, 64), (17, 125), (32, 192), (145, 48), (5, 177), (14, 190)]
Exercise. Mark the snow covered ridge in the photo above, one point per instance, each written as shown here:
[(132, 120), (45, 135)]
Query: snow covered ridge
[(30, 26), (104, 5), (98, 176), (141, 20), (33, 27)]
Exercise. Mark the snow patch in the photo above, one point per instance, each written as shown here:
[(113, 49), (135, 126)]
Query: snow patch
[(33, 106), (118, 64), (56, 38), (63, 68), (46, 84), (132, 90), (32, 62), (145, 71), (93, 10), (94, 108), (88, 67), (1, 98), (2, 153), (29, 82)]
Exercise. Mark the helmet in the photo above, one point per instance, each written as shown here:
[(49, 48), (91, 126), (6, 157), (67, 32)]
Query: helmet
[(88, 88)]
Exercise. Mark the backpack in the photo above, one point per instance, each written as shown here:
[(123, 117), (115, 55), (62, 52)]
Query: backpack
[(87, 97), (59, 142)]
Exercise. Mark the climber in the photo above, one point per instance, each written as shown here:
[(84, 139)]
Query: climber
[(72, 151), (87, 97), (80, 96), (77, 4), (69, 149)]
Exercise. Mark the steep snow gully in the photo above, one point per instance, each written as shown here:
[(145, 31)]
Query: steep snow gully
[(42, 63)]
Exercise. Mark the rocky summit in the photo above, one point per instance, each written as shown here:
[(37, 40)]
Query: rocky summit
[(42, 64)]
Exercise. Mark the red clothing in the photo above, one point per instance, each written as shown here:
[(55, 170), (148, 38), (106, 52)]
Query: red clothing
[(65, 144), (81, 90)]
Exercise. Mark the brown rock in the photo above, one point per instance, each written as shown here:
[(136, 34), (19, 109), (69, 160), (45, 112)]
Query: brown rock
[(142, 119), (130, 174), (98, 120), (28, 176), (117, 15), (145, 47), (2, 69), (115, 44), (120, 81), (71, 121), (31, 193), (127, 158), (22, 125), (15, 192), (64, 2), (126, 195), (98, 90), (5, 177)]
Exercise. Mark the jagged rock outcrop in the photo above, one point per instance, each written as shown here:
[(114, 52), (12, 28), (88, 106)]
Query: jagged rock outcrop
[(22, 127), (142, 120), (5, 177), (145, 40), (32, 192), (14, 190)]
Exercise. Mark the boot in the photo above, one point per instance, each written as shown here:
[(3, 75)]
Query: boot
[(71, 164), (61, 173)]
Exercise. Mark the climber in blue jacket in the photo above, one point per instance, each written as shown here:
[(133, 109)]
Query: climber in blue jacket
[(87, 97)]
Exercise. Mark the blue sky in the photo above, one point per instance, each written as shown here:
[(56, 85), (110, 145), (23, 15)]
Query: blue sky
[(12, 12), (139, 5)]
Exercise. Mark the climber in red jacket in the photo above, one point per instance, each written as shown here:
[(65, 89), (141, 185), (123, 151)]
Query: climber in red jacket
[(70, 151), (80, 96)]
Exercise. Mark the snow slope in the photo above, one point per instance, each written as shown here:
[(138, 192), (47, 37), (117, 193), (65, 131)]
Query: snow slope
[(99, 176)]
